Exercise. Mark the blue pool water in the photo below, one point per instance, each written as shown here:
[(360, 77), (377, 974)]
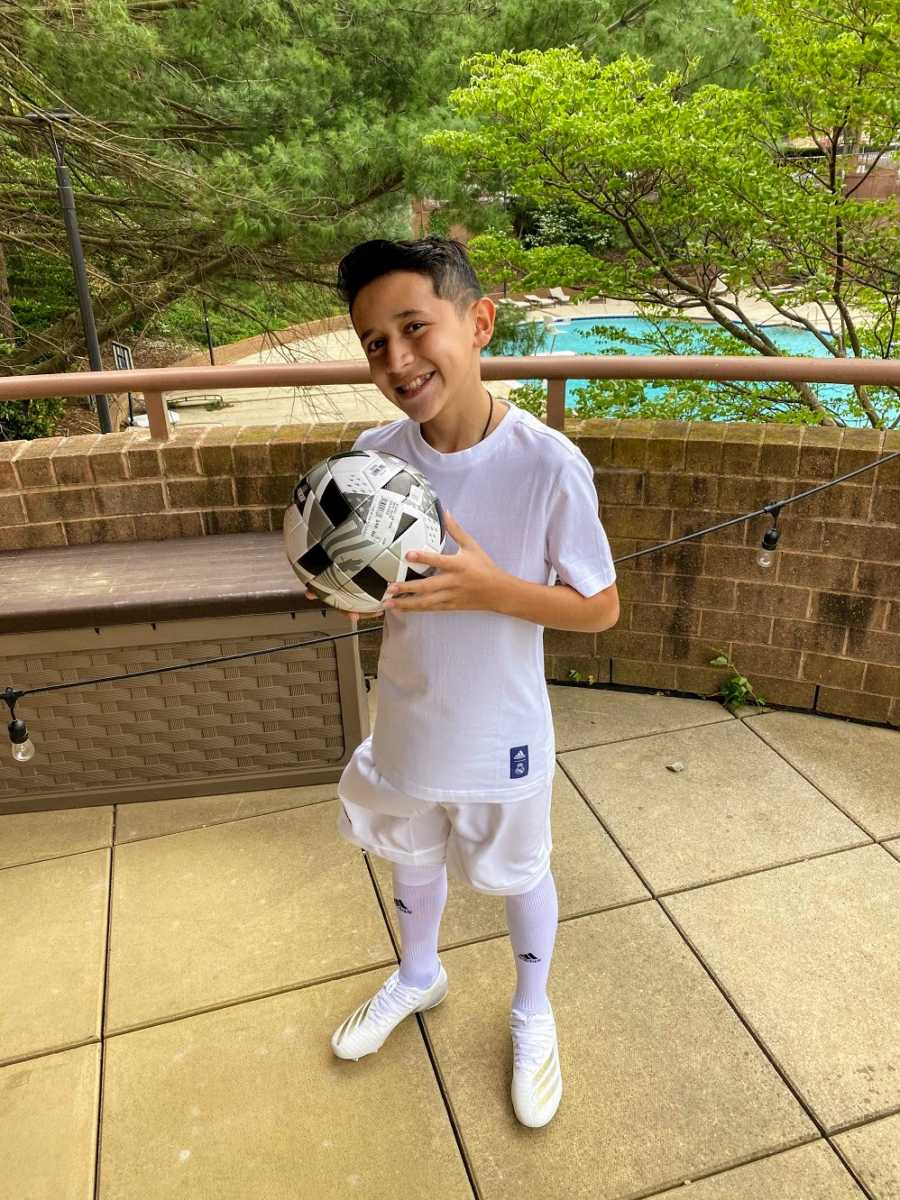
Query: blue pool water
[(574, 337)]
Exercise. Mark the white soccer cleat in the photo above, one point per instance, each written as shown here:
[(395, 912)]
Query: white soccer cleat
[(366, 1030), (537, 1079)]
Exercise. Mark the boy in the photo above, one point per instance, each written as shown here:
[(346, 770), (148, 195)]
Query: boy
[(459, 769)]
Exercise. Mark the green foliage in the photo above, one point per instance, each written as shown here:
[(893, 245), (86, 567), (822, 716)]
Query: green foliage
[(21, 420), (228, 144), (562, 224), (532, 397), (736, 689), (515, 336), (703, 183)]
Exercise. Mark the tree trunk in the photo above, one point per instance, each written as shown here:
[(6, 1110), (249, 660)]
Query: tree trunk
[(7, 329)]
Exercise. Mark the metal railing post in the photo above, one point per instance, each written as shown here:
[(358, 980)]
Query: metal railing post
[(556, 404), (158, 415)]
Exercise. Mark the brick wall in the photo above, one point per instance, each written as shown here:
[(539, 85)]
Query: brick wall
[(820, 629)]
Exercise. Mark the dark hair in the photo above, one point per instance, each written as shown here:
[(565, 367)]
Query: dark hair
[(442, 260)]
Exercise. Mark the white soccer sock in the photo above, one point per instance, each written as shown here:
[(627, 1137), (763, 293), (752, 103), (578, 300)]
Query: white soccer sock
[(420, 894), (532, 919)]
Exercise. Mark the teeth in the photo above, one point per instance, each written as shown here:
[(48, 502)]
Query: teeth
[(414, 383)]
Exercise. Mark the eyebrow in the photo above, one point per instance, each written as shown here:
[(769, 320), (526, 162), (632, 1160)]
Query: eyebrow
[(407, 312)]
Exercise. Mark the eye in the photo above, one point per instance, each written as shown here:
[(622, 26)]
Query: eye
[(415, 326), (374, 345)]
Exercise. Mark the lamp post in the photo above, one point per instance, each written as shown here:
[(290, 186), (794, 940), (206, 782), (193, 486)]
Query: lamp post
[(76, 254)]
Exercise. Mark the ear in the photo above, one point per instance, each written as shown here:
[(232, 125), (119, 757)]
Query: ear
[(483, 313)]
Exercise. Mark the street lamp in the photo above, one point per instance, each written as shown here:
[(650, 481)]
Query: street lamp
[(76, 254)]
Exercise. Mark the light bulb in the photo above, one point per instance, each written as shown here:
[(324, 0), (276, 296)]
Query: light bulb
[(23, 751), (766, 555)]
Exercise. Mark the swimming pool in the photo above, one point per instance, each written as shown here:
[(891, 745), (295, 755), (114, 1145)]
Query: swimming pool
[(573, 336)]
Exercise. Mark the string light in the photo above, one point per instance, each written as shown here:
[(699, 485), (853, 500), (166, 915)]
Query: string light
[(23, 748), (766, 555)]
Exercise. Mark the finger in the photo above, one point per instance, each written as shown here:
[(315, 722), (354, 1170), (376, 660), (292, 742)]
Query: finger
[(426, 603), (431, 558), (417, 585)]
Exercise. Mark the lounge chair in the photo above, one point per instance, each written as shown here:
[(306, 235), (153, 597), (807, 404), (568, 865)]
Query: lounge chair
[(542, 301), (514, 303), (559, 296)]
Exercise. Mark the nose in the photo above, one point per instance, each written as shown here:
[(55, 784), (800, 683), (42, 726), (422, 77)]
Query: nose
[(397, 356)]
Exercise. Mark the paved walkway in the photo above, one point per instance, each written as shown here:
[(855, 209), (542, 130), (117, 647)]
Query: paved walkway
[(284, 406), (726, 984)]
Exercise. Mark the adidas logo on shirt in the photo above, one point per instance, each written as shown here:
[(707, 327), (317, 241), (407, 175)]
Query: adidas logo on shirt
[(518, 762)]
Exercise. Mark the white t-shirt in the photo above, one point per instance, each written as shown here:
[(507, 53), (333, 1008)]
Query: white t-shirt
[(463, 711)]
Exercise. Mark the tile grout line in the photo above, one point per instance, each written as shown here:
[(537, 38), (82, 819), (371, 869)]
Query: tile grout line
[(637, 737), (155, 837), (715, 1172), (811, 783), (429, 1048), (720, 988), (269, 994), (769, 1055), (104, 1005)]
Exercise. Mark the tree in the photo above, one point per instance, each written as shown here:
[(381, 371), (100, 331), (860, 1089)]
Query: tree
[(212, 141), (703, 185), (223, 144)]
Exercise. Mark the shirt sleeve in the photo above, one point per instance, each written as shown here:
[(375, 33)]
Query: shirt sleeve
[(578, 551)]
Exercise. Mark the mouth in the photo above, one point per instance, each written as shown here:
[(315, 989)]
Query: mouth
[(414, 387)]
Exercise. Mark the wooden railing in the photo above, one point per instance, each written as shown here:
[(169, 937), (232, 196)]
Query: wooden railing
[(153, 384)]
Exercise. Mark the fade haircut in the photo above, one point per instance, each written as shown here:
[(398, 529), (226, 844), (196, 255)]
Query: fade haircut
[(442, 260)]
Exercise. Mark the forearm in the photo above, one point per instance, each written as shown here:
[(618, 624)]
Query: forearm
[(559, 607)]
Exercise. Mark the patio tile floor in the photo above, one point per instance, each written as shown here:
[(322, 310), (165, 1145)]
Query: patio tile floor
[(726, 985)]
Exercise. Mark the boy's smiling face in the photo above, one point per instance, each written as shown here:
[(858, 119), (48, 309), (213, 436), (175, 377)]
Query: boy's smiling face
[(423, 351)]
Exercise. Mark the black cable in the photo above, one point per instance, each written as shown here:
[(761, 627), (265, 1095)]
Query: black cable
[(773, 509), (13, 695)]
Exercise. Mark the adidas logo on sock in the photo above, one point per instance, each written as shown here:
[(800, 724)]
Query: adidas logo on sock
[(529, 958), (399, 903)]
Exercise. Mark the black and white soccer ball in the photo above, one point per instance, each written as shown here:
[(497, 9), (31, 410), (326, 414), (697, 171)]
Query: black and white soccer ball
[(352, 520)]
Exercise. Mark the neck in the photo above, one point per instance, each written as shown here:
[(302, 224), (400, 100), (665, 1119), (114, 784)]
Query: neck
[(459, 429)]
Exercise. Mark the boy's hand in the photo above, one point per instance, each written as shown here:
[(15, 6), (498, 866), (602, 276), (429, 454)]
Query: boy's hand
[(468, 579)]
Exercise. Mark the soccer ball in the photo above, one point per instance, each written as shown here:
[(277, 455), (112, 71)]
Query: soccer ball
[(352, 519)]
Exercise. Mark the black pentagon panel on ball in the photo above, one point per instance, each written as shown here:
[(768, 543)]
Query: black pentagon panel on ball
[(315, 560), (371, 582), (333, 504)]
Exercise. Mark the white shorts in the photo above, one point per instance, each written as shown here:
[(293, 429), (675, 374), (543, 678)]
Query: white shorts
[(498, 849)]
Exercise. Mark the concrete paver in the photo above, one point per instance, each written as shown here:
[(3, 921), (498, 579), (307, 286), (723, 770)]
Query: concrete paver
[(874, 1153), (48, 1133), (30, 837), (661, 1080), (590, 874), (249, 1101), (808, 953), (155, 818), (215, 915), (595, 716), (736, 806), (811, 1172), (854, 765), (52, 949), (218, 902)]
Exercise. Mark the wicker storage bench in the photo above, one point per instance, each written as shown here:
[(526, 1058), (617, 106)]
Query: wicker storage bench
[(81, 612)]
